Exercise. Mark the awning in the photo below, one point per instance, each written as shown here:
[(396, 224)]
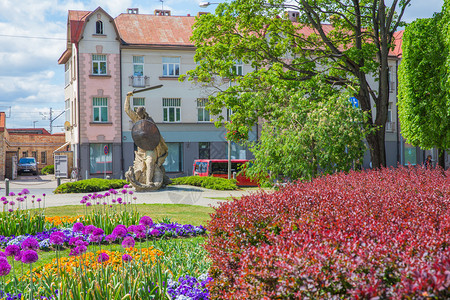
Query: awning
[(57, 149)]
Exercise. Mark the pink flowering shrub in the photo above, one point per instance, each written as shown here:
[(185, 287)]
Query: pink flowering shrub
[(360, 235)]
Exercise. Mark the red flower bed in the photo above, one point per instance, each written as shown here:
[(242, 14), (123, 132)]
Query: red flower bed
[(360, 235)]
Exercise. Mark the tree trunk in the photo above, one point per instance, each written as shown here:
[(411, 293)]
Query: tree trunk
[(441, 158), (377, 148)]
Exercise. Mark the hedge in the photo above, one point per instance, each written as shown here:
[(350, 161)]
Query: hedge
[(364, 235), (90, 185), (208, 182)]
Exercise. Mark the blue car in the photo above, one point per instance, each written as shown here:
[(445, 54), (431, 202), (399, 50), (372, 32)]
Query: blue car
[(27, 165)]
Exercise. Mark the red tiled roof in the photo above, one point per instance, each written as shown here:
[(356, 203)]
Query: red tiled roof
[(138, 29), (398, 40)]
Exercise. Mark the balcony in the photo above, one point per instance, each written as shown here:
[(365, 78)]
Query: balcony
[(390, 126), (139, 81)]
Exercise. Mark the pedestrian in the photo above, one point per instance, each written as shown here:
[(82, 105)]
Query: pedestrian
[(429, 162)]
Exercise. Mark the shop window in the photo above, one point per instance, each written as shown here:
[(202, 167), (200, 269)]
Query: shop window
[(100, 158), (174, 161)]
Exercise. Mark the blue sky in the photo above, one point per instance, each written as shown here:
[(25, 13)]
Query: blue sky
[(33, 37)]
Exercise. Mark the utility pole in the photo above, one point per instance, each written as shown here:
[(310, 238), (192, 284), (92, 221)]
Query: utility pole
[(50, 117)]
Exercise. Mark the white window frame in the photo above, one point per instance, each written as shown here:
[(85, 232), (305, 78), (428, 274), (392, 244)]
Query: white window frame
[(97, 61), (171, 66), (238, 68), (99, 105), (171, 107), (138, 102), (99, 27), (202, 113), (138, 61)]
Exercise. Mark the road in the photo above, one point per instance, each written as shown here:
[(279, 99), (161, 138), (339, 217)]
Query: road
[(46, 184)]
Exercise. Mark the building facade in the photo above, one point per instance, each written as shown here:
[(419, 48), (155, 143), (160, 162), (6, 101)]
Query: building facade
[(108, 57), (105, 59)]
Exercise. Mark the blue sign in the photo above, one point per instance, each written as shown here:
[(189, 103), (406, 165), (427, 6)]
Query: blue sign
[(354, 102), (106, 149)]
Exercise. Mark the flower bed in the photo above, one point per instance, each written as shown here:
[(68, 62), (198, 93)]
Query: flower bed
[(361, 235)]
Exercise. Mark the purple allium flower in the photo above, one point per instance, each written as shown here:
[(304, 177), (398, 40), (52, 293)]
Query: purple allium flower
[(120, 230), (78, 227), (74, 252), (30, 244), (12, 203), (73, 240), (43, 195), (119, 200), (3, 254), (82, 201), (3, 198), (128, 242), (103, 257), (80, 242), (29, 256), (134, 198), (81, 249), (126, 186), (107, 194), (127, 258), (88, 204), (113, 200), (38, 200), (95, 238), (57, 238), (124, 191), (130, 192), (10, 210), (18, 257), (110, 238), (131, 228), (5, 267), (154, 232), (25, 191), (12, 250), (98, 231), (88, 229), (146, 221), (11, 194)]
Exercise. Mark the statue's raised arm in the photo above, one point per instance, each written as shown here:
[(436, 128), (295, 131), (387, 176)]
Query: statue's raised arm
[(131, 113)]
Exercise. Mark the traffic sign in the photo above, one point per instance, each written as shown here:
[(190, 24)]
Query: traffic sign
[(106, 149)]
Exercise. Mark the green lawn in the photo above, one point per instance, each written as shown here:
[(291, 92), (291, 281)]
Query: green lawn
[(179, 213)]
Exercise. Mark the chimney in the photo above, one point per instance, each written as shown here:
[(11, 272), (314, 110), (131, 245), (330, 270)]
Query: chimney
[(202, 13), (133, 11), (293, 15), (162, 12)]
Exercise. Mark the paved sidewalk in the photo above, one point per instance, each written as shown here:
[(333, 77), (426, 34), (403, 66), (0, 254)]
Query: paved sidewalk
[(38, 185)]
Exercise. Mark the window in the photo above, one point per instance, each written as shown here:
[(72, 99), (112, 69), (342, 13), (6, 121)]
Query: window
[(138, 102), (229, 113), (171, 66), (99, 27), (172, 109), (100, 163), (204, 150), (25, 154), (98, 64), (100, 106), (67, 113), (410, 154), (237, 151), (174, 161), (43, 157), (67, 73), (237, 69), (34, 154), (203, 113), (389, 122), (138, 65)]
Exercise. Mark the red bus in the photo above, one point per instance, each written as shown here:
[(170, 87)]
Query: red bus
[(219, 168)]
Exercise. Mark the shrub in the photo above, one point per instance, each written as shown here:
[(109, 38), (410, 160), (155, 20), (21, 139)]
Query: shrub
[(50, 169), (90, 185), (363, 235), (208, 182)]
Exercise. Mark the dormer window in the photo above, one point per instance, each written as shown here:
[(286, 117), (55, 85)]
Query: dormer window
[(99, 27)]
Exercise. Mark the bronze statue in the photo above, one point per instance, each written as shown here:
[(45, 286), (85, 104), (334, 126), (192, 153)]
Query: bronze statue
[(147, 172)]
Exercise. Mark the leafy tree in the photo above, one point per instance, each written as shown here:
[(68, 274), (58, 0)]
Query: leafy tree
[(296, 60), (424, 103)]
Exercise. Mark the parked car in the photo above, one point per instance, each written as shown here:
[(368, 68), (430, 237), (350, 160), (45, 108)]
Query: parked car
[(219, 168), (27, 165)]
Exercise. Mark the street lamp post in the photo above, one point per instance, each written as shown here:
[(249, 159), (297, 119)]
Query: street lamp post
[(206, 4)]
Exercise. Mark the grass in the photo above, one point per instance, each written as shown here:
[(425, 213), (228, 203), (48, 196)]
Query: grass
[(179, 213)]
